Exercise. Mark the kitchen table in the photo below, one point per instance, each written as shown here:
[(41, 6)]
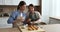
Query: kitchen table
[(9, 30), (18, 30), (51, 27)]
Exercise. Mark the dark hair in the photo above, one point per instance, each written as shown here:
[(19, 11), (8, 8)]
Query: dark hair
[(21, 4), (31, 5)]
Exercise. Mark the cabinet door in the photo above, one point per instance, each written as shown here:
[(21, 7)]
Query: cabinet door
[(8, 2), (16, 2), (12, 2), (3, 20), (35, 2), (2, 2)]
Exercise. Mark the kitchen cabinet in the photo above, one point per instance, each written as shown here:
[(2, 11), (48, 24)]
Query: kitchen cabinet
[(1, 2), (9, 2), (3, 23), (35, 2), (16, 2), (12, 2), (6, 25), (3, 20)]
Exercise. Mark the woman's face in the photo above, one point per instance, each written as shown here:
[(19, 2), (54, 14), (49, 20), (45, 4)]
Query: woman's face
[(23, 7), (31, 9)]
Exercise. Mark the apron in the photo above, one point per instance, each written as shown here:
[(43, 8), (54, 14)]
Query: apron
[(34, 16)]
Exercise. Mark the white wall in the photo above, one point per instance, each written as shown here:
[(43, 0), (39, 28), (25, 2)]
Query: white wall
[(55, 9), (50, 8), (58, 8), (46, 10)]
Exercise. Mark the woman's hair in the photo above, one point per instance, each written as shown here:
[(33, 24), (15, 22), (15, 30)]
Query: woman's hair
[(21, 4), (31, 5)]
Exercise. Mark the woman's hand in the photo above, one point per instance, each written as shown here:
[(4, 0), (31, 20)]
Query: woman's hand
[(18, 21), (21, 18)]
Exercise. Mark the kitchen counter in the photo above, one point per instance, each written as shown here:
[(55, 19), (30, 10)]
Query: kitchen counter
[(57, 18), (9, 30), (54, 20), (47, 28), (51, 28), (18, 30)]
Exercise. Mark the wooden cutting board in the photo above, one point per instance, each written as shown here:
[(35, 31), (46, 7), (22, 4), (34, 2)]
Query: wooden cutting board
[(26, 30)]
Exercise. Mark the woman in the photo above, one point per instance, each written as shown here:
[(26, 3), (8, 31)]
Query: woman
[(18, 15)]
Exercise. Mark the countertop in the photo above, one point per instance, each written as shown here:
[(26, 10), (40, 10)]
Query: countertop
[(17, 30), (47, 28), (9, 30), (58, 18), (51, 28)]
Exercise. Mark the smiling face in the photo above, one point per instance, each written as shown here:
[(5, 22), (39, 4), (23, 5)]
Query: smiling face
[(31, 9), (23, 7)]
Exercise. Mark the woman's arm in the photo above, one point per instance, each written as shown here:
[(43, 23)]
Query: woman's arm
[(12, 18)]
